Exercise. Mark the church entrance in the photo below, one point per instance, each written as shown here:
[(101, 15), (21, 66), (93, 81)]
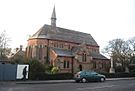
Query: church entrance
[(80, 67)]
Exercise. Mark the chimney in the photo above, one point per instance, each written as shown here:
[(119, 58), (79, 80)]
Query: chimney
[(21, 47)]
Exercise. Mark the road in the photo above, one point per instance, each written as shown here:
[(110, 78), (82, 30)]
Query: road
[(118, 85)]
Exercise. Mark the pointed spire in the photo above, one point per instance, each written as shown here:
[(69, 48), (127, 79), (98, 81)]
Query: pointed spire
[(53, 14), (53, 19)]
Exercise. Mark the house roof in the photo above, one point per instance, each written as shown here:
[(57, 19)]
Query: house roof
[(64, 35)]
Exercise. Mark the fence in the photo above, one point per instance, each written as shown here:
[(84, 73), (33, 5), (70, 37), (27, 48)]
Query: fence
[(8, 72), (11, 72)]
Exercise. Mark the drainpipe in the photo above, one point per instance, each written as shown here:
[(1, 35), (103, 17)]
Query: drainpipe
[(47, 52), (72, 64)]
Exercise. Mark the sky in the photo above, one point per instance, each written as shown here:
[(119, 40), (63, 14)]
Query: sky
[(105, 20)]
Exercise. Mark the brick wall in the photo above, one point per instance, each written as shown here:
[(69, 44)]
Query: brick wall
[(37, 48)]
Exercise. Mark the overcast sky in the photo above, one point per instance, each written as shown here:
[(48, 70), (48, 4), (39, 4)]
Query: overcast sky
[(103, 19)]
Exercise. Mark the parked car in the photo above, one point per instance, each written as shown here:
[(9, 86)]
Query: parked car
[(86, 76)]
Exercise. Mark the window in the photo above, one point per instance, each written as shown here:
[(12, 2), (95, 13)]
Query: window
[(84, 57), (61, 45), (69, 47), (55, 45), (100, 65), (40, 52), (94, 65), (66, 64), (30, 51)]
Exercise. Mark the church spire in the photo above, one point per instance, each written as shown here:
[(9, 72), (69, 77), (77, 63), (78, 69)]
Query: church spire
[(53, 14), (53, 19)]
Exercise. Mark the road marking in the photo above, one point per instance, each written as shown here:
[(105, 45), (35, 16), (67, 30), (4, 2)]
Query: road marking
[(92, 88)]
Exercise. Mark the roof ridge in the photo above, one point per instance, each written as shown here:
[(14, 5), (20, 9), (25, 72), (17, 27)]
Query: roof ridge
[(64, 34), (67, 29)]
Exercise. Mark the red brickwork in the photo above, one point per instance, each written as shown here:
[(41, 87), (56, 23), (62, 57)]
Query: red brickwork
[(38, 48)]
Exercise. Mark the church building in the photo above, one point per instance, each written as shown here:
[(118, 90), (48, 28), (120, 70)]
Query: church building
[(71, 51)]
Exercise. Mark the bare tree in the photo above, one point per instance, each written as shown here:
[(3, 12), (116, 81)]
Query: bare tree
[(132, 44), (119, 50), (4, 40), (132, 48)]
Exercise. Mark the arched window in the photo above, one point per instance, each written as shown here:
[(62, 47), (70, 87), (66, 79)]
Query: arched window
[(84, 57), (66, 64), (40, 51)]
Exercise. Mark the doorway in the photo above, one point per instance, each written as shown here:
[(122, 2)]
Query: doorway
[(80, 67)]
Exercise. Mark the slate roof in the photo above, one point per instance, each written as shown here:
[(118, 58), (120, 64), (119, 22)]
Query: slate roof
[(63, 52), (98, 56), (64, 35), (69, 53)]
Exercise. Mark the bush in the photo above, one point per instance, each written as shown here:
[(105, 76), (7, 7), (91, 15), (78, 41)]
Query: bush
[(54, 70), (132, 68), (39, 71), (36, 69), (120, 69), (58, 76)]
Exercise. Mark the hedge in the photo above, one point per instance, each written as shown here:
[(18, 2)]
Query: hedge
[(58, 76), (66, 76), (119, 75)]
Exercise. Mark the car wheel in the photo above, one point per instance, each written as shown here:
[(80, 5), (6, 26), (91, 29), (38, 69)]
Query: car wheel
[(102, 79), (84, 80)]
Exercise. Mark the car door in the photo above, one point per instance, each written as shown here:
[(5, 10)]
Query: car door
[(86, 75), (94, 76), (89, 76)]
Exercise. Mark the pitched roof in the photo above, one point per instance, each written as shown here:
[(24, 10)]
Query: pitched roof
[(98, 56), (69, 53), (64, 35), (63, 52)]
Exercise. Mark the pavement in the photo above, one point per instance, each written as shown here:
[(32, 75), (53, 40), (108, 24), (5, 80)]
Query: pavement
[(55, 81), (64, 81)]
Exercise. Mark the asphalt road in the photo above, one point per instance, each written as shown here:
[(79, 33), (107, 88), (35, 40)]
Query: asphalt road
[(118, 85)]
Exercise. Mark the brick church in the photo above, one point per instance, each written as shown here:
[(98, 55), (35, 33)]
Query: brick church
[(71, 51)]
